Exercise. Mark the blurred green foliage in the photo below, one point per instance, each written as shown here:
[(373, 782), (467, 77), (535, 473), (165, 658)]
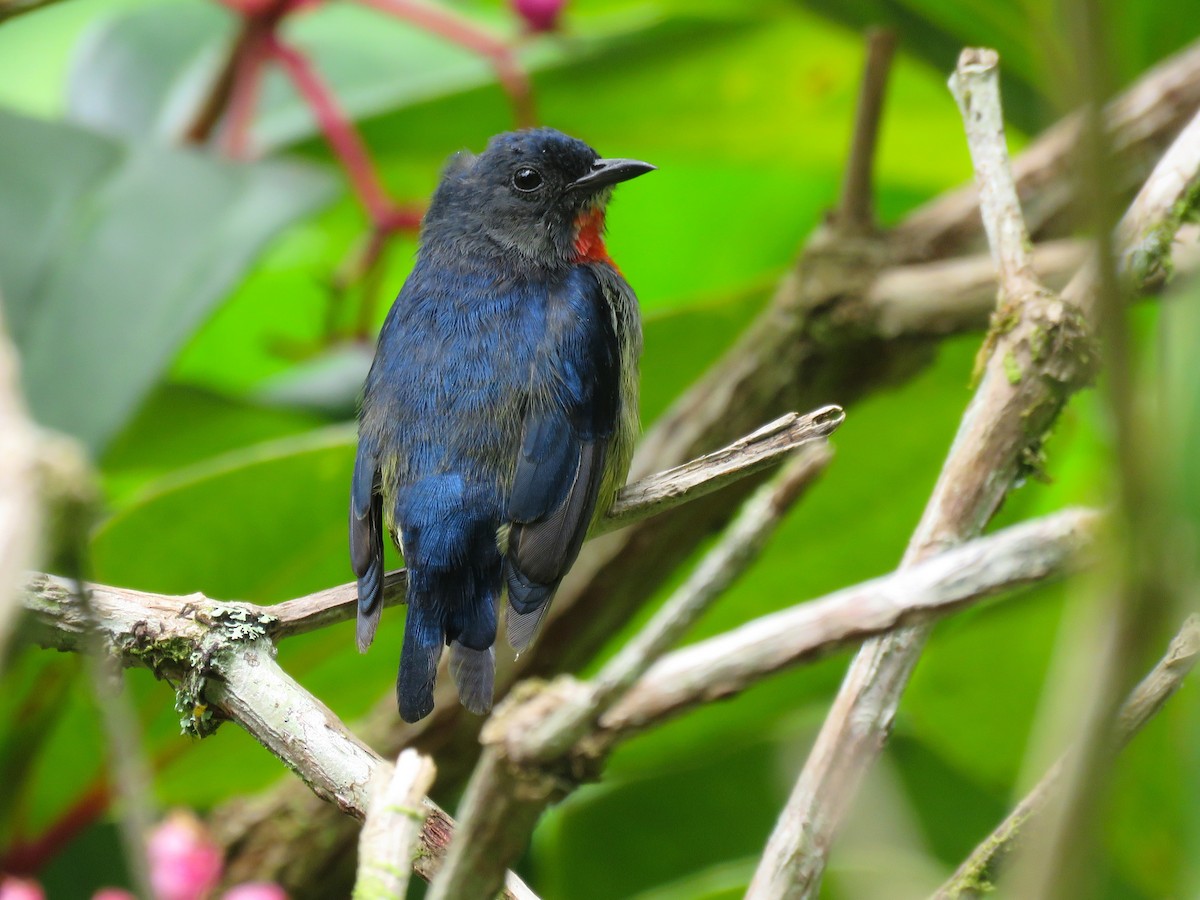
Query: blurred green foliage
[(172, 310)]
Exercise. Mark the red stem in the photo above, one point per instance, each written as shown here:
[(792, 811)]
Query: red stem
[(28, 857), (342, 137), (243, 95), (465, 33)]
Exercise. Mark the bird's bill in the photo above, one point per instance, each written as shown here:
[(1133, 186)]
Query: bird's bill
[(606, 172)]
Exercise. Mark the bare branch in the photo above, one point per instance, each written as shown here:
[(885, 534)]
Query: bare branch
[(729, 663), (973, 877), (981, 466), (218, 658), (713, 471), (393, 826), (976, 88), (1149, 229), (855, 212)]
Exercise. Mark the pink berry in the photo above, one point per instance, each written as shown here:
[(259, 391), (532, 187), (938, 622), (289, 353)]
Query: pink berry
[(185, 863), (20, 889), (539, 15)]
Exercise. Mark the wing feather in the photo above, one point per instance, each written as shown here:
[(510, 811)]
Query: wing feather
[(564, 449)]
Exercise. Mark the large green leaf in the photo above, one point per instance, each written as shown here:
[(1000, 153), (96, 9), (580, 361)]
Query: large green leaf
[(179, 426), (145, 72), (112, 255), (274, 516)]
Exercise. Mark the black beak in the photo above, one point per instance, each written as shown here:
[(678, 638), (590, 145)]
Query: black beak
[(607, 172)]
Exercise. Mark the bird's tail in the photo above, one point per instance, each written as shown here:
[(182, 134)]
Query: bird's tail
[(474, 674), (453, 593), (423, 640)]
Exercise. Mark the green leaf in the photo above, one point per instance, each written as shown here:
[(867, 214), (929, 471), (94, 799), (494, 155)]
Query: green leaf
[(145, 72), (273, 516), (179, 426), (111, 256)]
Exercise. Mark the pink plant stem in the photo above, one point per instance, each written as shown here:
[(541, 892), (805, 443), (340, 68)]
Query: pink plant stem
[(243, 96), (27, 857), (342, 137), (236, 90), (467, 34)]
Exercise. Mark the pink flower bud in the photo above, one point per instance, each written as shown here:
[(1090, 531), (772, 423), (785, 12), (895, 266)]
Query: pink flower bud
[(255, 890), (185, 864), (539, 15), (20, 889), (113, 894)]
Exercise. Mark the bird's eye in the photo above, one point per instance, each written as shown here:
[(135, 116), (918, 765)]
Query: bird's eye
[(527, 179)]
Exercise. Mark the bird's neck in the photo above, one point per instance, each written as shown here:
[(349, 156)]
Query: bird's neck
[(589, 237)]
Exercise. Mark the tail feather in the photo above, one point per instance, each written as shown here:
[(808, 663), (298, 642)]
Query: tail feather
[(366, 544), (454, 586), (474, 673), (524, 594), (370, 604), (423, 641)]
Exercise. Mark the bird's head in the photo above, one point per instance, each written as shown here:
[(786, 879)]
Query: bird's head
[(538, 193)]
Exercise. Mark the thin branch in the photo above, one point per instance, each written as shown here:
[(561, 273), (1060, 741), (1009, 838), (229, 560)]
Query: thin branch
[(250, 63), (725, 665), (10, 9), (393, 826), (714, 471), (637, 501), (974, 877), (855, 213), (976, 88), (518, 773)]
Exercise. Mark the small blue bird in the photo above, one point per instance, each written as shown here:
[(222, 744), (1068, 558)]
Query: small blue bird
[(499, 415)]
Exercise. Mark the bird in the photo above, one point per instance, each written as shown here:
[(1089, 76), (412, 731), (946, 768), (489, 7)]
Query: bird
[(498, 418)]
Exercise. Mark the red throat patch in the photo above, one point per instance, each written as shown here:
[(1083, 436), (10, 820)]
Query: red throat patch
[(589, 240)]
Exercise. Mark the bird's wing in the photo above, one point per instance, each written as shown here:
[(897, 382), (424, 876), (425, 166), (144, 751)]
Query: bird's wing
[(564, 444), (366, 542)]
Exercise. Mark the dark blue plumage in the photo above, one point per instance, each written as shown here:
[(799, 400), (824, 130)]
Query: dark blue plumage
[(499, 414)]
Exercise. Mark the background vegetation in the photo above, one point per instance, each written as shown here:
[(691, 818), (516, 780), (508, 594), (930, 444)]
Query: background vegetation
[(176, 312)]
